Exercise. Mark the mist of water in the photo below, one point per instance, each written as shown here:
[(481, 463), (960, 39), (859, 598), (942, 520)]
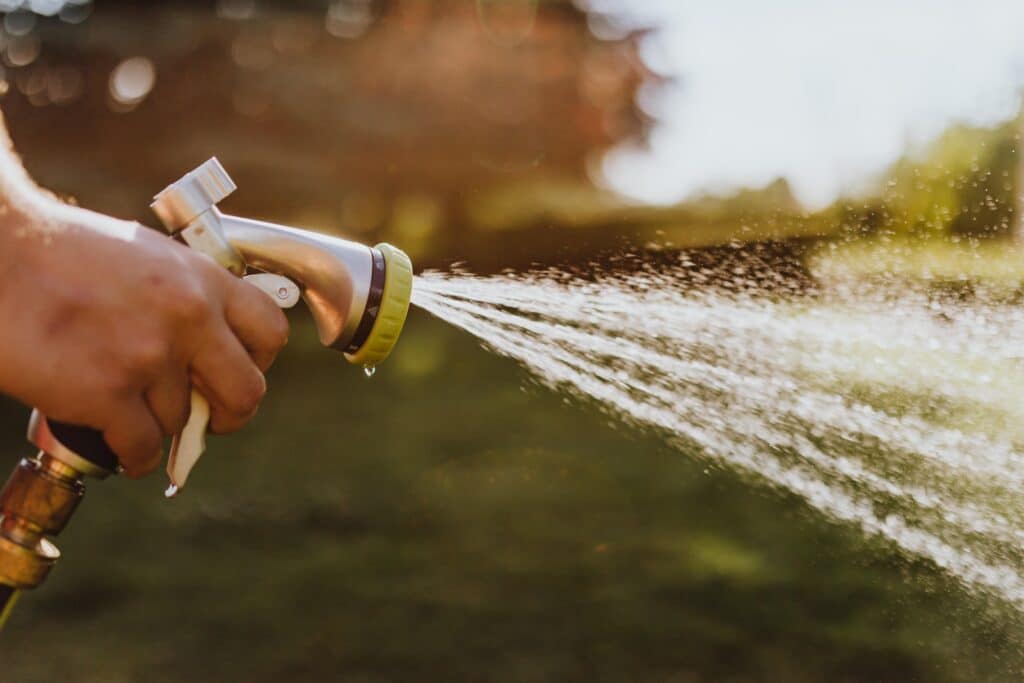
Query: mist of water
[(887, 407)]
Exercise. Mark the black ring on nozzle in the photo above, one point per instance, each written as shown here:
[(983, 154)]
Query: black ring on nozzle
[(373, 300)]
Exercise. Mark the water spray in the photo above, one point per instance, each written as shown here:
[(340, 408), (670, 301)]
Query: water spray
[(886, 407), (358, 296)]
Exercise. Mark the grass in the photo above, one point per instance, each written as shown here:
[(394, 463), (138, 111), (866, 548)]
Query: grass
[(993, 262), (446, 521)]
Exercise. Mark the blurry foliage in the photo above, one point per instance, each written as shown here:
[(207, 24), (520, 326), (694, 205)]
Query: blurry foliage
[(947, 213), (462, 130), (997, 265), (347, 116), (964, 184)]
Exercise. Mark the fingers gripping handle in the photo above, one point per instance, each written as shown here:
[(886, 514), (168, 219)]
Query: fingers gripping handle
[(88, 444), (179, 206), (188, 447)]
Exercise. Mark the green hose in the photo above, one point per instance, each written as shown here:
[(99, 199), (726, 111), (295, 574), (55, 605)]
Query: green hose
[(8, 596)]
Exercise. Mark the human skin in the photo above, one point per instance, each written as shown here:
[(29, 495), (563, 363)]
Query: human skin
[(108, 324)]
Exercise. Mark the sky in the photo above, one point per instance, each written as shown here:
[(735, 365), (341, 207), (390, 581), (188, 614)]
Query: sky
[(825, 93)]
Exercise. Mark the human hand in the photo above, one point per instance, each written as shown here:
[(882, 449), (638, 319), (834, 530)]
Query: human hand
[(108, 324)]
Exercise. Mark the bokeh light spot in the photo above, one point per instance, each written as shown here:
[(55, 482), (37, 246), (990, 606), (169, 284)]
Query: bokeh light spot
[(47, 8), (19, 23), (348, 18), (132, 80), (75, 13), (22, 50), (236, 10)]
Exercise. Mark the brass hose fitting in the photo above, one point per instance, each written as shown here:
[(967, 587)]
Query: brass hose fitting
[(37, 501)]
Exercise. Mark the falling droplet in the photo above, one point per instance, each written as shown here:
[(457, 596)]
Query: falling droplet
[(369, 370), (171, 491)]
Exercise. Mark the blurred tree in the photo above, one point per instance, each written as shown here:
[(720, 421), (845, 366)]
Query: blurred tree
[(351, 113)]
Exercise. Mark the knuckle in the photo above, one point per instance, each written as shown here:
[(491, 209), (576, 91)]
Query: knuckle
[(145, 356), (142, 444), (136, 450), (118, 382), (277, 329), (224, 423), (138, 468), (190, 305), (174, 420), (248, 398)]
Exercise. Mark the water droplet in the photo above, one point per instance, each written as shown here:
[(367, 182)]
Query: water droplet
[(171, 492), (369, 370)]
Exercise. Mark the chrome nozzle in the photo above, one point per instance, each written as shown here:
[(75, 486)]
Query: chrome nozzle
[(346, 285)]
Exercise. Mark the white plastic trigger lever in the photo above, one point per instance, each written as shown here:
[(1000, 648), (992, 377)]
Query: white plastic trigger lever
[(188, 446)]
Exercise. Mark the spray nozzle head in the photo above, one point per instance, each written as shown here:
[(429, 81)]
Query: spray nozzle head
[(389, 314), (359, 296)]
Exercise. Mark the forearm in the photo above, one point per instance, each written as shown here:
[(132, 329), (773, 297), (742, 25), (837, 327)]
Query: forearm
[(18, 193), (23, 224), (27, 210), (15, 200), (33, 223)]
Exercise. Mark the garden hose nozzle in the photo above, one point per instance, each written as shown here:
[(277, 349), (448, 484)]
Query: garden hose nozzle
[(358, 295)]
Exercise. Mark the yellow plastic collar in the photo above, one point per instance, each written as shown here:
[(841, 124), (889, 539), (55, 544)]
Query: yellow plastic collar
[(394, 306)]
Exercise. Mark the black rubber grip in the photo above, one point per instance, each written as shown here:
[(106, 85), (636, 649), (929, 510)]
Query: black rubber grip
[(86, 443)]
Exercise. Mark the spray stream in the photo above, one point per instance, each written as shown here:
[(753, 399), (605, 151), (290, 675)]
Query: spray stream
[(888, 408)]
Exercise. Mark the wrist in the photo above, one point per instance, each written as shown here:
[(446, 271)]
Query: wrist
[(22, 211), (16, 237)]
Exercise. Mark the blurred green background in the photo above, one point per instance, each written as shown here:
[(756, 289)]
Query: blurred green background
[(447, 520)]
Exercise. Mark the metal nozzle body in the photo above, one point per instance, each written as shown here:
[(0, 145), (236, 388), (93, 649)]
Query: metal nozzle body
[(336, 275)]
